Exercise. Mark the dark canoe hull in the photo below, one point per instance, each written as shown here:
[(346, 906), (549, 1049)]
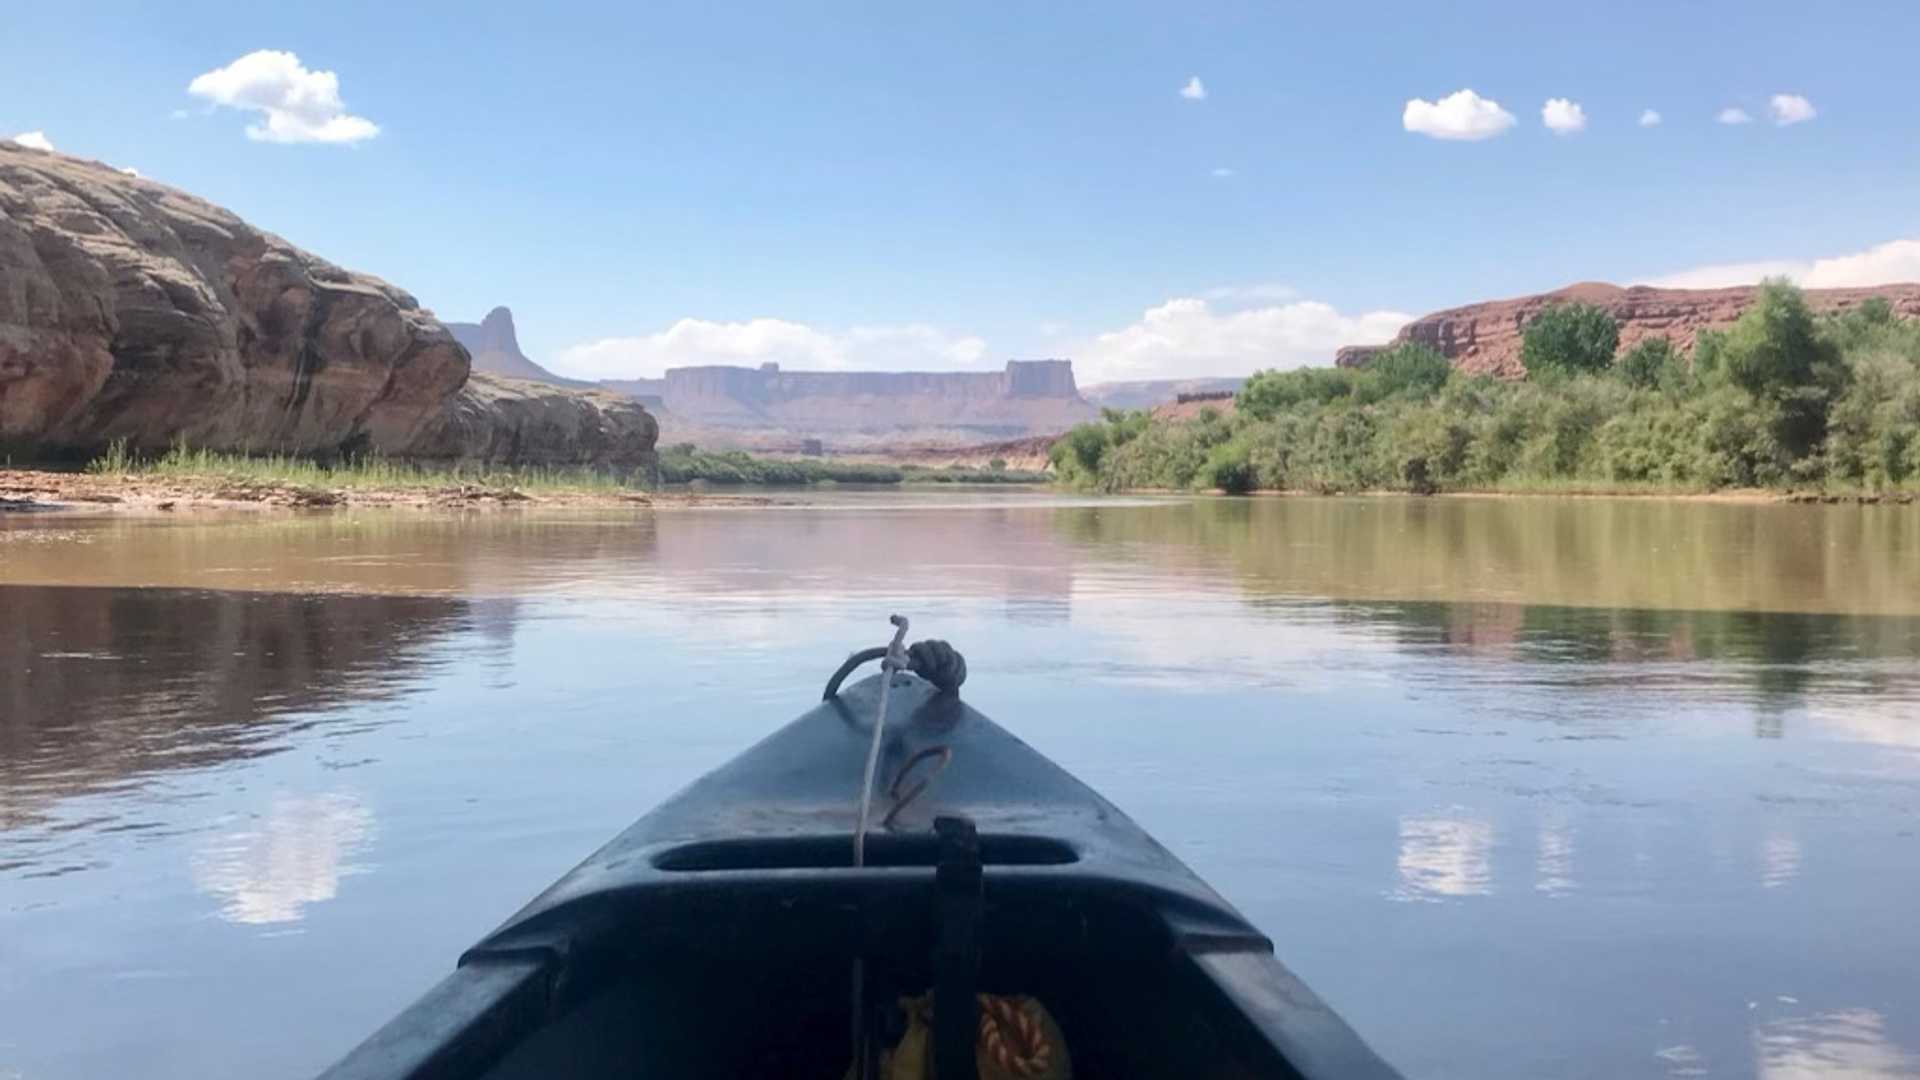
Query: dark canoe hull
[(714, 937)]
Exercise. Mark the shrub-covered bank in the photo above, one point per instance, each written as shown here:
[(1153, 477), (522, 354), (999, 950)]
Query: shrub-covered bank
[(1781, 399), (684, 463)]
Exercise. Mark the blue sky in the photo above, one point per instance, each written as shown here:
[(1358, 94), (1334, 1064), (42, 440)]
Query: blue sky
[(919, 186)]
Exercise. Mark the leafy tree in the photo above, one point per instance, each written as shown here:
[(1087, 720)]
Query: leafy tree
[(1267, 393), (1410, 368), (1648, 364), (1569, 339), (1776, 352), (1229, 467)]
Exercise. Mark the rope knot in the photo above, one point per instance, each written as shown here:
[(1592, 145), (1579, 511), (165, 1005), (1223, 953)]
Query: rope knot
[(939, 663)]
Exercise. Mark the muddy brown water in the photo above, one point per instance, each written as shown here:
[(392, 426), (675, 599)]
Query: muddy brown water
[(1525, 787)]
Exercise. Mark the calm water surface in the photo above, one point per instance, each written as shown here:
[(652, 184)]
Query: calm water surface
[(1526, 788)]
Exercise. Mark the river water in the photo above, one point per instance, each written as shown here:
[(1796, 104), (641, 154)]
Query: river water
[(1524, 787)]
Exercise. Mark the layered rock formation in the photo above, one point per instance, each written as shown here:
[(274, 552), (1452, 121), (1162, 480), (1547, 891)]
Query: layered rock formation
[(495, 419), (1485, 338), (495, 349), (1027, 397), (132, 311)]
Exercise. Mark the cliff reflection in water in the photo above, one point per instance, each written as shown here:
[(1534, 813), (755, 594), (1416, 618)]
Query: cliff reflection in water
[(101, 689)]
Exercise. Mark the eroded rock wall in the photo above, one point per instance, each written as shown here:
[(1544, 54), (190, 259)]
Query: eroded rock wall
[(1485, 338), (133, 311)]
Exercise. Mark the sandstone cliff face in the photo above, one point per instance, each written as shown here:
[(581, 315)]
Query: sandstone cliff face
[(495, 420), (131, 310), (495, 349), (1485, 338)]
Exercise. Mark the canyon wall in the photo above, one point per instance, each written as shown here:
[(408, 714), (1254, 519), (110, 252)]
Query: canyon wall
[(133, 311), (1026, 397), (1485, 338)]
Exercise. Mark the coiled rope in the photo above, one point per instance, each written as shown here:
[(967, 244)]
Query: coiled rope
[(935, 661)]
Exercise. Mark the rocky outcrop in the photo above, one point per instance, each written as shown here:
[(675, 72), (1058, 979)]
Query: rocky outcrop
[(1485, 338), (132, 311), (495, 349), (129, 310), (495, 420)]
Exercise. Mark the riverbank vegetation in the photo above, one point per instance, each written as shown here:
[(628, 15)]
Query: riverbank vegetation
[(679, 464), (182, 462), (1781, 399), (684, 464)]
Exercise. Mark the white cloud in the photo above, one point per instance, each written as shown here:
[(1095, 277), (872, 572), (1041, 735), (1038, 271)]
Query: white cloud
[(34, 140), (130, 171), (1187, 336), (1226, 331), (1791, 109), (298, 105), (1884, 264), (690, 342), (1462, 114), (1563, 117), (1650, 118), (1222, 172), (179, 114), (1732, 115), (1195, 90)]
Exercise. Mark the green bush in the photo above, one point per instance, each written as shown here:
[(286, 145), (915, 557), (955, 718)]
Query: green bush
[(1569, 339), (1648, 364), (1268, 393), (1780, 398), (1410, 368)]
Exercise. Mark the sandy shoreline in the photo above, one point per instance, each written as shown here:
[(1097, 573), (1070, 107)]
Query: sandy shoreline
[(40, 491), (29, 490)]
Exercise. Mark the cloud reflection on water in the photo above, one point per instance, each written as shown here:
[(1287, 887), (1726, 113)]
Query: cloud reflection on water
[(1443, 858), (270, 871), (1845, 1044)]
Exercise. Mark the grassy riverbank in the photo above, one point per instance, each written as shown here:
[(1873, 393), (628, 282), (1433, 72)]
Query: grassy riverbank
[(1782, 401), (684, 464), (185, 478), (358, 474)]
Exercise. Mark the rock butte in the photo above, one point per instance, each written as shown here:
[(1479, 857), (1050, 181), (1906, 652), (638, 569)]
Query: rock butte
[(495, 349), (1485, 338), (133, 311)]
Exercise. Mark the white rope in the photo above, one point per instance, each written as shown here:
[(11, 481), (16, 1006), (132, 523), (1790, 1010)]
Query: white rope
[(895, 660)]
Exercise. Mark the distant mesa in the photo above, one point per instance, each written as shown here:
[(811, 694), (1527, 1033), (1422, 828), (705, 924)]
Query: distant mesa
[(1027, 397), (1485, 338), (766, 406)]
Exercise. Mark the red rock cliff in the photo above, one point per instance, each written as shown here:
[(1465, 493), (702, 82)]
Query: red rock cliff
[(131, 310), (1485, 338)]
